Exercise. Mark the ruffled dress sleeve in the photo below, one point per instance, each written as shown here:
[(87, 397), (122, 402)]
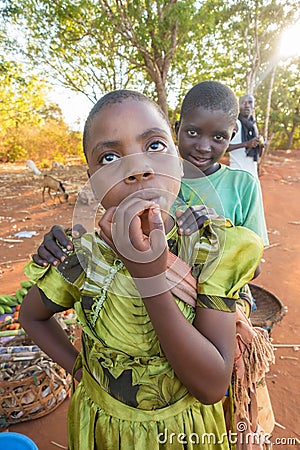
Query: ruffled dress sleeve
[(228, 257), (61, 292)]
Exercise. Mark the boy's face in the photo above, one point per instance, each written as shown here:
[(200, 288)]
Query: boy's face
[(130, 152), (203, 137)]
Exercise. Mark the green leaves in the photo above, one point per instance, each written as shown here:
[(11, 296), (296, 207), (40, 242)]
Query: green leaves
[(160, 47)]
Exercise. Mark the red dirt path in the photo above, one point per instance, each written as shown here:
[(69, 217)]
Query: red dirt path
[(280, 179)]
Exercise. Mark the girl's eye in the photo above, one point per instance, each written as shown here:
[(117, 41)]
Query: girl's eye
[(157, 146), (192, 133), (108, 158)]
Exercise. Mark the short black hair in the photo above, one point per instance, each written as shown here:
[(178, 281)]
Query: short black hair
[(246, 96), (213, 96), (117, 96)]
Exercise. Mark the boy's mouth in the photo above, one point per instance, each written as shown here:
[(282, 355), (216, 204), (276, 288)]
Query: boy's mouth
[(199, 161)]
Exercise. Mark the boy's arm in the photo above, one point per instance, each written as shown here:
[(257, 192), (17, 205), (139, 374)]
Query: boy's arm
[(44, 330), (51, 252)]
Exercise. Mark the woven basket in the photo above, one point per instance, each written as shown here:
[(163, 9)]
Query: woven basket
[(270, 309), (33, 396), (32, 385)]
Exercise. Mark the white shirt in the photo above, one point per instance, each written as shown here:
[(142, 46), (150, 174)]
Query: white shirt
[(239, 158)]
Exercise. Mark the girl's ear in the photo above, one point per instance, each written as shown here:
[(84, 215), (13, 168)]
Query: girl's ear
[(88, 173), (176, 127)]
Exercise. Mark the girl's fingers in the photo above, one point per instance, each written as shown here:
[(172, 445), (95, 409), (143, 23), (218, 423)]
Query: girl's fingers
[(106, 224), (137, 238), (157, 231)]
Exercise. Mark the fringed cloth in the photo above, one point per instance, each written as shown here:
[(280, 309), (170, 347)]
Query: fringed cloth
[(253, 357)]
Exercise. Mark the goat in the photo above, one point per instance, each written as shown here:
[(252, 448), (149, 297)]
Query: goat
[(30, 164), (56, 185), (57, 165)]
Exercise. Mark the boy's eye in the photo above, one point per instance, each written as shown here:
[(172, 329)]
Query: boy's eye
[(192, 133), (219, 137), (108, 158), (156, 146)]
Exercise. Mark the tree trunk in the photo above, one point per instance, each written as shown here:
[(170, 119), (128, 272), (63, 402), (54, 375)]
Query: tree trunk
[(291, 137), (162, 97), (268, 109), (266, 128)]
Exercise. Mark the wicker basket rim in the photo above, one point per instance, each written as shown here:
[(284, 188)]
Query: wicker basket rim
[(270, 310)]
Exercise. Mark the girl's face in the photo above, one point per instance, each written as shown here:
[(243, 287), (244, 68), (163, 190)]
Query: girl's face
[(130, 152), (203, 137)]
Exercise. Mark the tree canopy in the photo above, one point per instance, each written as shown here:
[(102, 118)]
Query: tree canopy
[(160, 47)]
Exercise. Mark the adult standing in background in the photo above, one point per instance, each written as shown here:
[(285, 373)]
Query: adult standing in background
[(246, 147)]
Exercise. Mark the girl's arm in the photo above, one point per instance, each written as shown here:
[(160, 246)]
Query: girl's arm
[(45, 331), (201, 354)]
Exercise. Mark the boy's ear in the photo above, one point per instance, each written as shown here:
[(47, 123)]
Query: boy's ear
[(176, 127), (88, 173), (233, 134), (234, 131)]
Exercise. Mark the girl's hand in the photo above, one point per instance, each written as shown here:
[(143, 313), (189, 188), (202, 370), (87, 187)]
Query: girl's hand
[(50, 251), (193, 218), (144, 254)]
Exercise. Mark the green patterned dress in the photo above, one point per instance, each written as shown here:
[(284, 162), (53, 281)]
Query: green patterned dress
[(129, 397)]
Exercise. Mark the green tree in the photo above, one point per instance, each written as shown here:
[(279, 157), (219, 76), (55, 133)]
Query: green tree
[(245, 51), (285, 106), (161, 47), (94, 46), (30, 126)]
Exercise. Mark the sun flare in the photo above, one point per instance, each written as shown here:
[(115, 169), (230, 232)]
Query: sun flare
[(290, 41)]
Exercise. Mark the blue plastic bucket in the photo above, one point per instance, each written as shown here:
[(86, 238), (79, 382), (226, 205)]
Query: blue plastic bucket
[(16, 441)]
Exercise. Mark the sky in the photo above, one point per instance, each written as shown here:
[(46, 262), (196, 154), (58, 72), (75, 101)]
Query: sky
[(75, 106)]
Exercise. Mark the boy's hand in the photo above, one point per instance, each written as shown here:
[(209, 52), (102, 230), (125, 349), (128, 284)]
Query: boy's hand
[(193, 218), (49, 252)]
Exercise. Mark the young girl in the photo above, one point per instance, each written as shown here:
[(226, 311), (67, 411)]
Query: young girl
[(155, 361), (207, 121)]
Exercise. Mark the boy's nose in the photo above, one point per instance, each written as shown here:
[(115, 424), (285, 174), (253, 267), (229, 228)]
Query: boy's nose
[(203, 145), (137, 175)]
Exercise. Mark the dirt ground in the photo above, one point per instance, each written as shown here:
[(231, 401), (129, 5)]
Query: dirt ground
[(23, 210)]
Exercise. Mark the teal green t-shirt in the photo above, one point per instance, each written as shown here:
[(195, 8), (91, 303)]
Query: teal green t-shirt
[(233, 193)]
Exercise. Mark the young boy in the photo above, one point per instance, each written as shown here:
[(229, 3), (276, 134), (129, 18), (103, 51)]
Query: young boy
[(205, 128)]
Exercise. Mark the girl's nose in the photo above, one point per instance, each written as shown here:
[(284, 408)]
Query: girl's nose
[(137, 175)]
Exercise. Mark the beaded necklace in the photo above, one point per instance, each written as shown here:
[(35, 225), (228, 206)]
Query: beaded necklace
[(99, 300)]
